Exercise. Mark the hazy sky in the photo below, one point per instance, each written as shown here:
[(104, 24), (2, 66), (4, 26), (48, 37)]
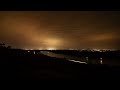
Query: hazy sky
[(60, 29)]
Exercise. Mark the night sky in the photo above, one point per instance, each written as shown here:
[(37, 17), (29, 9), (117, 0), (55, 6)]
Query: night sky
[(60, 29)]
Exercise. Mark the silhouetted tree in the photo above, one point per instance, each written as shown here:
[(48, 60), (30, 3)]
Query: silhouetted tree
[(2, 45), (9, 47)]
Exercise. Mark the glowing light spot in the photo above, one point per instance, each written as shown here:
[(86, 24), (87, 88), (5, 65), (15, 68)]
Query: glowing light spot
[(40, 49), (101, 62), (28, 51), (87, 58), (52, 42), (51, 48), (34, 52)]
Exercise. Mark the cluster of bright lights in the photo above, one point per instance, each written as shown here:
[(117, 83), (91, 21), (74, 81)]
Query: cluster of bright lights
[(96, 49), (51, 48), (26, 49), (71, 49), (99, 50)]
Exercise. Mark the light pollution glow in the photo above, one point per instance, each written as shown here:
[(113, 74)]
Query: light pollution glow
[(56, 30)]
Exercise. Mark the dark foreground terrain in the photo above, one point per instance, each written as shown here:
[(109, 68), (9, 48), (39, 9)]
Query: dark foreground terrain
[(21, 65)]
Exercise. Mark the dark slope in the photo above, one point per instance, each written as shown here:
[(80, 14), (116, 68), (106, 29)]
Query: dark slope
[(21, 65)]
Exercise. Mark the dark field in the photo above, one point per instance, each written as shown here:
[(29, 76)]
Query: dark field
[(19, 64)]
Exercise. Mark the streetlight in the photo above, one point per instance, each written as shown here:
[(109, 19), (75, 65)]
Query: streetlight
[(87, 59), (101, 62)]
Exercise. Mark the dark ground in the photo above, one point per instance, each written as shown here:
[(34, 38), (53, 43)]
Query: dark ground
[(21, 65)]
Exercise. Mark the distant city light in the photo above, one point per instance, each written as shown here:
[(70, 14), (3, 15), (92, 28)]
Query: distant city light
[(71, 49), (34, 52), (96, 49), (51, 48), (28, 51)]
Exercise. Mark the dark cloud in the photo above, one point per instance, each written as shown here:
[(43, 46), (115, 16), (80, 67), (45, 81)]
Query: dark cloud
[(60, 29)]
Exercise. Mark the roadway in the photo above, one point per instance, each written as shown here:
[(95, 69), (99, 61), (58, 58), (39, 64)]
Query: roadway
[(70, 58)]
